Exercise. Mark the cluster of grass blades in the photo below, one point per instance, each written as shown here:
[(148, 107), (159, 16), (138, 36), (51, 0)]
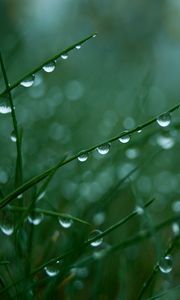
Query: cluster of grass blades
[(37, 266)]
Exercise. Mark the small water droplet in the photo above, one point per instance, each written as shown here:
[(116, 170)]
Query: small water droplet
[(53, 269), (125, 138), (176, 229), (78, 47), (5, 107), (104, 149), (41, 195), (94, 35), (50, 67), (28, 81), (64, 56), (139, 210), (13, 137), (7, 229), (35, 218), (165, 264), (20, 196), (139, 131), (92, 235), (164, 120), (83, 157), (65, 222)]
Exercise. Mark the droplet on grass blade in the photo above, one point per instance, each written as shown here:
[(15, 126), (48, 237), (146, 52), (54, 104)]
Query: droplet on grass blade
[(28, 81), (52, 270), (5, 107), (164, 120), (7, 229), (64, 56), (165, 264), (65, 222), (103, 149), (94, 234), (35, 218), (50, 67), (83, 157), (125, 138), (13, 136), (78, 47)]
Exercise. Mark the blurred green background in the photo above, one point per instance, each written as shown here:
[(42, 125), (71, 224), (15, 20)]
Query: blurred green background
[(129, 73)]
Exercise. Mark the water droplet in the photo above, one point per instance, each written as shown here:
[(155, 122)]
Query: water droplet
[(53, 269), (50, 67), (165, 264), (6, 228), (78, 47), (13, 136), (92, 235), (5, 107), (64, 56), (125, 138), (65, 222), (35, 218), (139, 210), (41, 195), (20, 196), (175, 229), (83, 157), (94, 35), (164, 120), (104, 149), (139, 131), (28, 81)]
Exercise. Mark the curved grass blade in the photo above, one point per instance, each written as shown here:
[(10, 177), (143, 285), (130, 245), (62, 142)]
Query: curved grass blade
[(37, 69), (45, 174)]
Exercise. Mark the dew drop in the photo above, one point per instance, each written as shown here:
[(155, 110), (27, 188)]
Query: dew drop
[(35, 218), (139, 210), (104, 149), (13, 136), (28, 81), (41, 195), (139, 131), (92, 235), (125, 138), (94, 35), (50, 67), (65, 222), (64, 56), (7, 229), (83, 157), (5, 108), (165, 264), (164, 120), (78, 47), (175, 229), (52, 270)]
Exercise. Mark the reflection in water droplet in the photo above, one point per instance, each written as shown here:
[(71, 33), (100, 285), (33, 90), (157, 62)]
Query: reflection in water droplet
[(53, 269), (94, 234), (164, 120), (13, 136), (64, 56), (78, 47), (35, 218), (165, 264), (125, 138), (83, 157), (65, 222), (50, 67), (28, 81), (104, 149)]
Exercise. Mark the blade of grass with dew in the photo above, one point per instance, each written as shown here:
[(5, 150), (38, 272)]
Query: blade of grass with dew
[(19, 172), (46, 173), (37, 69)]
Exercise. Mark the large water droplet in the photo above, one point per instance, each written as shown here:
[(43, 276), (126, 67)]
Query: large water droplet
[(6, 228), (53, 269), (28, 81), (92, 235), (50, 67), (165, 264), (83, 157), (5, 107), (164, 120), (78, 47), (65, 222), (125, 138), (13, 136), (64, 56), (35, 218), (104, 149)]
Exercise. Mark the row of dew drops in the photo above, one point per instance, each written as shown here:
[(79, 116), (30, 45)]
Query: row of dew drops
[(29, 80), (163, 120)]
